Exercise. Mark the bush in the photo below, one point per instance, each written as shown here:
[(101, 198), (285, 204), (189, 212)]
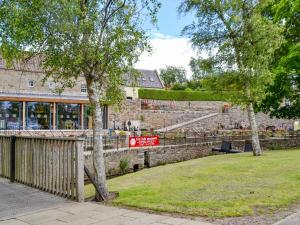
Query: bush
[(275, 146), (188, 89), (159, 94), (124, 165), (179, 86)]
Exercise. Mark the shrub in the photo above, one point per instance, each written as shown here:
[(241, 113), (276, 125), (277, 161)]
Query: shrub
[(158, 94), (275, 146), (188, 89), (179, 86), (124, 165)]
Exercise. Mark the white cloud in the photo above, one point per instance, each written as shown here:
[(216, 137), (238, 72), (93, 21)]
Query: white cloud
[(168, 50)]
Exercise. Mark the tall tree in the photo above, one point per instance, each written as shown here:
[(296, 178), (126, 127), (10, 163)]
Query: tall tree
[(97, 39), (286, 64), (201, 67), (244, 42), (172, 74)]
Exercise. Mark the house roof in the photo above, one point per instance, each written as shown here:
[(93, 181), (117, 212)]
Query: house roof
[(148, 79)]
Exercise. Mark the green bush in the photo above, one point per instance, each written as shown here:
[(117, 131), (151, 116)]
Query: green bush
[(124, 165), (179, 86), (159, 94), (275, 146)]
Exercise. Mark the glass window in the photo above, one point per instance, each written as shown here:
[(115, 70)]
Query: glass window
[(88, 122), (83, 89), (68, 116), (31, 83), (10, 115), (51, 85), (38, 116)]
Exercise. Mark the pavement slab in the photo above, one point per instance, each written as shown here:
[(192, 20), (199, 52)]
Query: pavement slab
[(23, 205), (16, 199)]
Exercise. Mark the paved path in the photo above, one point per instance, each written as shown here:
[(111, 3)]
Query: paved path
[(93, 213), (178, 125), (293, 219), (22, 205), (17, 199)]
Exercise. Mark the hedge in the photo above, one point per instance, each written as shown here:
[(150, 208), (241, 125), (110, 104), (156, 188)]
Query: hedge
[(158, 94)]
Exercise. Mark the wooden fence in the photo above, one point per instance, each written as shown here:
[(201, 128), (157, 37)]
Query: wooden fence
[(55, 165)]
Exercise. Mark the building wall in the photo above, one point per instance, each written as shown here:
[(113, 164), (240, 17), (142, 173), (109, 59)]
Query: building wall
[(13, 81), (17, 82)]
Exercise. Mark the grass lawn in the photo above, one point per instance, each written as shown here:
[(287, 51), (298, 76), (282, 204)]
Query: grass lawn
[(215, 186)]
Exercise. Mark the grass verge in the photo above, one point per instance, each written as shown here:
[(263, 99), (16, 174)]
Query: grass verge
[(216, 186)]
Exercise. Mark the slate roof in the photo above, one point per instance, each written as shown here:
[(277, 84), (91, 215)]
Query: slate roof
[(148, 78)]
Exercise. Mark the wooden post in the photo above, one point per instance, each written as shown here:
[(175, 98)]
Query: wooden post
[(79, 171), (82, 116), (13, 159), (54, 116), (24, 115)]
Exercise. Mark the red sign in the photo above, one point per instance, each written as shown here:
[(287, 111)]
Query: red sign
[(143, 141)]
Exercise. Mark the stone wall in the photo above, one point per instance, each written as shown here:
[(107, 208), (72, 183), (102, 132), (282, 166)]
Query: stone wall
[(135, 158), (159, 114), (155, 156), (238, 116), (178, 153)]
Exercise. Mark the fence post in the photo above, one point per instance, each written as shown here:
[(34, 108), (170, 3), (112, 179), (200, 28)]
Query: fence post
[(117, 143), (79, 171), (13, 159)]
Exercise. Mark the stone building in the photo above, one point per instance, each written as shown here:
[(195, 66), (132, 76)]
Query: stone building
[(27, 103)]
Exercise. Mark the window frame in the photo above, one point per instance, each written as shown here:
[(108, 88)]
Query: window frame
[(29, 83), (83, 87)]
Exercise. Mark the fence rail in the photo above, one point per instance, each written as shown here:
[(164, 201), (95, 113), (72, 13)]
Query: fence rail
[(172, 138), (55, 165)]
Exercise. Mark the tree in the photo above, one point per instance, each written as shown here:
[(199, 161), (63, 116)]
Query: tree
[(286, 86), (97, 39), (201, 67), (244, 42), (172, 74)]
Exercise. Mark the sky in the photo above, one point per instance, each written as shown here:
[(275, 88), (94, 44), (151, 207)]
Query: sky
[(169, 46)]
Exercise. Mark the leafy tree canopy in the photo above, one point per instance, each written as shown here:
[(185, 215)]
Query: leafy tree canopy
[(97, 39), (201, 67), (172, 74), (282, 99), (242, 43)]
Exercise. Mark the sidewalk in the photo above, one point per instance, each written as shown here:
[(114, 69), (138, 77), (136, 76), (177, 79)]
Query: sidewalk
[(93, 213), (293, 219)]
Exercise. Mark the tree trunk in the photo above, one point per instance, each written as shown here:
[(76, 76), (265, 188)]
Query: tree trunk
[(98, 156), (254, 130)]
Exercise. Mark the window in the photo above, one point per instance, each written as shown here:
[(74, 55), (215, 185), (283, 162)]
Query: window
[(10, 115), (151, 79), (31, 83), (144, 78), (38, 116), (51, 85), (88, 123), (83, 89), (68, 116)]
